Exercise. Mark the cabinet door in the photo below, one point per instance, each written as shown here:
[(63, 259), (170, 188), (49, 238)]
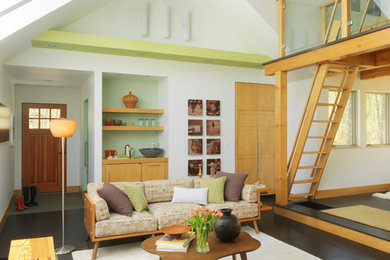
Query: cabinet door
[(154, 171), (124, 172)]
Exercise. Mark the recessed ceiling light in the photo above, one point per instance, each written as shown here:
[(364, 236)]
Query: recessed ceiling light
[(52, 45), (209, 61), (140, 54)]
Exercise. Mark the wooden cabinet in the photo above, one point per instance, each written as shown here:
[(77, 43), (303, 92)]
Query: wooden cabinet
[(255, 132), (142, 169), (124, 172)]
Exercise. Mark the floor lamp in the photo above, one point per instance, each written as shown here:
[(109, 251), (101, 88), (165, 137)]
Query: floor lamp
[(63, 128)]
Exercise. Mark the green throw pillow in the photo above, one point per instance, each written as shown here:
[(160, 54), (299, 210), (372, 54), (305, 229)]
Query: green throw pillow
[(136, 196), (216, 189)]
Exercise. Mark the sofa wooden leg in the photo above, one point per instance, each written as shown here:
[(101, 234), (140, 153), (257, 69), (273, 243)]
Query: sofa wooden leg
[(256, 227), (95, 249), (87, 237)]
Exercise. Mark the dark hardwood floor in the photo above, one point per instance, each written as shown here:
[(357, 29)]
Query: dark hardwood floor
[(313, 241)]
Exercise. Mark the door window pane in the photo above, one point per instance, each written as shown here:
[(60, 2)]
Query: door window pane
[(376, 114), (55, 113), (33, 113), (45, 123), (45, 113), (33, 123)]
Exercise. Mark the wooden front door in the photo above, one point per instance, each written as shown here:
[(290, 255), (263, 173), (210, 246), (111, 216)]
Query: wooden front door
[(41, 151)]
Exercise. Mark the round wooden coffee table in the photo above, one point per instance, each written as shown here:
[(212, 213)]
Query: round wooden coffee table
[(241, 245)]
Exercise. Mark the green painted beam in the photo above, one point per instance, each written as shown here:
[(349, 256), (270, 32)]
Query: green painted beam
[(126, 47)]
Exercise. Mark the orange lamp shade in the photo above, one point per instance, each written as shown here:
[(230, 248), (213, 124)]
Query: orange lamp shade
[(63, 127)]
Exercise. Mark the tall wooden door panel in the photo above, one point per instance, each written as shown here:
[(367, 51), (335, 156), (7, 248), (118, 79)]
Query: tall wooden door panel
[(255, 132), (41, 152)]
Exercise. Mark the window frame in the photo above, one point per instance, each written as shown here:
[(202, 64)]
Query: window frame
[(354, 97), (387, 118)]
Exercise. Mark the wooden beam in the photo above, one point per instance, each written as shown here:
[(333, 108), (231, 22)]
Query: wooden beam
[(345, 18), (368, 59), (383, 58), (281, 28), (364, 44), (281, 188), (375, 73), (337, 230)]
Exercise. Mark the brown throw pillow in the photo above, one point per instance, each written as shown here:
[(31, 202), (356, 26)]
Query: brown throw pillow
[(116, 199), (233, 185)]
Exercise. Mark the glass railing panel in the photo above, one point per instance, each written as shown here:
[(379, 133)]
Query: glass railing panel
[(307, 23), (369, 14)]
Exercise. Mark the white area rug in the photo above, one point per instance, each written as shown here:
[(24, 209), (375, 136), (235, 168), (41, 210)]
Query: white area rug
[(382, 195), (270, 249)]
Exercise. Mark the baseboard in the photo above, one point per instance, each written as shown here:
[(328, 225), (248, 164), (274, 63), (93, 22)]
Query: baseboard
[(2, 219), (337, 230), (322, 194), (73, 189)]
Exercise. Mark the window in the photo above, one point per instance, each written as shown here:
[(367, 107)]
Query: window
[(39, 118), (347, 131), (377, 123)]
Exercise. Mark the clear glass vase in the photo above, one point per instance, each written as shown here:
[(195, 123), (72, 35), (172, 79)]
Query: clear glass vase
[(202, 245)]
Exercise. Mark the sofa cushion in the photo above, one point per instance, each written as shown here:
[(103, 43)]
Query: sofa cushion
[(216, 189), (136, 196), (119, 224), (168, 213), (101, 208), (241, 209), (162, 190), (116, 199), (233, 185), (190, 195), (249, 193)]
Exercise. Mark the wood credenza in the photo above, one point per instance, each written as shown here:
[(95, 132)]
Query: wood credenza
[(141, 169)]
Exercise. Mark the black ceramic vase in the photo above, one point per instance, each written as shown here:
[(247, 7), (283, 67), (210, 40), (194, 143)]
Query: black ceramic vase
[(228, 227)]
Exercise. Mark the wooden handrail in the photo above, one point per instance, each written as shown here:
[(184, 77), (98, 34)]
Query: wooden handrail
[(330, 21), (364, 16)]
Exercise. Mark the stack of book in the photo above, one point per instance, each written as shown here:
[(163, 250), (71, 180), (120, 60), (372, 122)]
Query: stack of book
[(175, 244)]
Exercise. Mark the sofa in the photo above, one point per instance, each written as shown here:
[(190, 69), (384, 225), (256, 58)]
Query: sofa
[(102, 224)]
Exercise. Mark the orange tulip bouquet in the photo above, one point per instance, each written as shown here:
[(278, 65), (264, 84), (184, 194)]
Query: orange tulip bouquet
[(202, 220)]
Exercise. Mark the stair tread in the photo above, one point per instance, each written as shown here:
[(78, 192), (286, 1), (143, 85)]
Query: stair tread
[(324, 121), (309, 167), (312, 152), (300, 195), (335, 87), (304, 181), (319, 137), (328, 104)]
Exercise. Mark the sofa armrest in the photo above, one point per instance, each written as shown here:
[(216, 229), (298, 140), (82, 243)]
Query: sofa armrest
[(89, 216), (249, 193), (101, 208)]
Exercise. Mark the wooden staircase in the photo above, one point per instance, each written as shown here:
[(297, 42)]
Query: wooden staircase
[(325, 140)]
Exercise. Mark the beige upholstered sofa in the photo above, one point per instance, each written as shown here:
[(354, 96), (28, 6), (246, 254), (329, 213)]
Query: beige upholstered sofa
[(101, 224)]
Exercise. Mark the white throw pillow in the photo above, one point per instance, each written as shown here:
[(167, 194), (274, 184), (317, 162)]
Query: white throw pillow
[(190, 195)]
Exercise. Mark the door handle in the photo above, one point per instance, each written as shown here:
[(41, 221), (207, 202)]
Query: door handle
[(155, 164), (257, 156)]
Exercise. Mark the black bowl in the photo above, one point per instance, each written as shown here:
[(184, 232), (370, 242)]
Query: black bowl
[(151, 152)]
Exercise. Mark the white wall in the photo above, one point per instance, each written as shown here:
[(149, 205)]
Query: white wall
[(56, 95), (6, 152), (347, 167), (359, 166), (183, 81), (218, 24)]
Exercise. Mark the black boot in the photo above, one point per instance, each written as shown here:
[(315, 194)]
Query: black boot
[(33, 193), (25, 195)]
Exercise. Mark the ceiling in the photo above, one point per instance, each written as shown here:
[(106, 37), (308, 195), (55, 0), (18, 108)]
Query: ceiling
[(47, 77)]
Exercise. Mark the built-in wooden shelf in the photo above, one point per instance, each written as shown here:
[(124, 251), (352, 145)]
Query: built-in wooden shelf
[(133, 128), (135, 160), (133, 110)]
